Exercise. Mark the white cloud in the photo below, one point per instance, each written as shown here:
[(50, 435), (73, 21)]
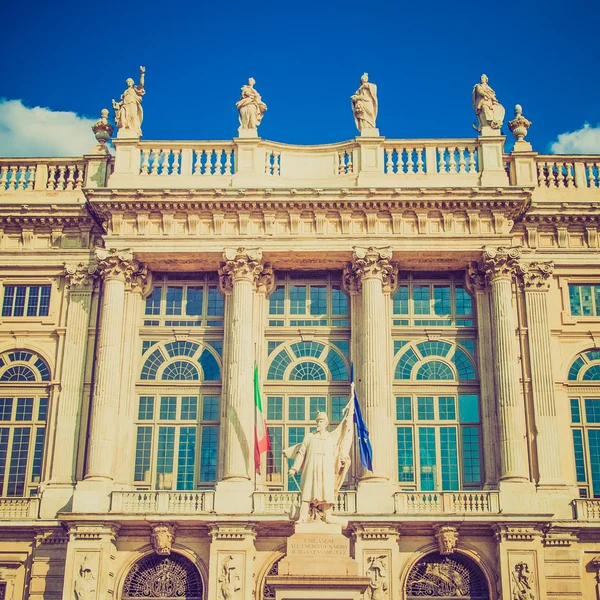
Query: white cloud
[(40, 131), (583, 141)]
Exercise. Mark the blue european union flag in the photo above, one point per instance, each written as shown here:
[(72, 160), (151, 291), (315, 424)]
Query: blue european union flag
[(364, 443)]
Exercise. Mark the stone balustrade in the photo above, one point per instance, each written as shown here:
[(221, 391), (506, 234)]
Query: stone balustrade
[(41, 174), (19, 508), (162, 502), (282, 503), (587, 509), (471, 503), (562, 172)]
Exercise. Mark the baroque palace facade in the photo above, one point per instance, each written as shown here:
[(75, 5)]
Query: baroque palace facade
[(140, 289)]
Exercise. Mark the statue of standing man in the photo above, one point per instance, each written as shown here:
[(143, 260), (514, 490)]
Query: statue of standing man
[(365, 106), (323, 458), (490, 113), (251, 107), (128, 111)]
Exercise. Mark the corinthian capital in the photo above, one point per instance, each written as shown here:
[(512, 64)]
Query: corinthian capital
[(536, 275), (265, 280), (116, 264), (476, 280), (369, 263), (81, 276), (140, 281), (240, 264), (500, 263)]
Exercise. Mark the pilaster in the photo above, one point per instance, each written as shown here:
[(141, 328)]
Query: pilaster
[(48, 565), (374, 271), (79, 281), (491, 163), (90, 561), (239, 273), (499, 265), (232, 555)]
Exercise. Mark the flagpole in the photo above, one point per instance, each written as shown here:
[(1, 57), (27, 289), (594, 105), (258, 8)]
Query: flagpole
[(255, 371)]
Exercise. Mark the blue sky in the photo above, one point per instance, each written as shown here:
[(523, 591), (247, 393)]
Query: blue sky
[(307, 58)]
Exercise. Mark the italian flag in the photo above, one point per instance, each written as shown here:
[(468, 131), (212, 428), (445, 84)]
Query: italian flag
[(261, 435)]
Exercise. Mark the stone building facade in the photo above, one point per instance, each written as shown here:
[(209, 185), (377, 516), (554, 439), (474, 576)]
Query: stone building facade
[(140, 289)]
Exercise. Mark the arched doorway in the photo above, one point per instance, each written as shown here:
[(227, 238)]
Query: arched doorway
[(155, 577), (451, 577)]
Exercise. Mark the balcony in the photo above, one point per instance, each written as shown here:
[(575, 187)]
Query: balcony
[(447, 503), (587, 509), (282, 503), (19, 508), (172, 503)]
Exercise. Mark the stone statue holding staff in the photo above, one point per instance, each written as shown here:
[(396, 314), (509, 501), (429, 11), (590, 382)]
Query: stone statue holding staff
[(365, 105), (323, 458), (128, 111)]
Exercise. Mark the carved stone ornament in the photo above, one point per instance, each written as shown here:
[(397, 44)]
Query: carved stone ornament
[(536, 275), (522, 582), (162, 538), (102, 129), (373, 262), (230, 586), (265, 280), (240, 263), (519, 125), (117, 264), (447, 539), (85, 582), (476, 280), (80, 275), (377, 571), (500, 262)]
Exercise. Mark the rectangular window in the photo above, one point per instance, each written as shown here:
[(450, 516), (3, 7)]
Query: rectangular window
[(208, 461), (317, 405), (427, 462), (449, 458), (146, 408), (339, 301), (318, 300), (584, 300), (425, 409), (189, 408), (6, 405), (447, 408), (297, 299), (18, 461), (441, 300), (274, 408), (153, 302), (594, 446), (404, 408), (165, 456), (296, 408), (337, 406), (168, 407), (186, 459), (143, 452), (193, 306), (174, 300), (406, 472), (215, 303), (421, 299), (471, 458), (210, 408), (586, 444), (579, 455), (276, 301), (275, 456), (38, 454), (35, 297)]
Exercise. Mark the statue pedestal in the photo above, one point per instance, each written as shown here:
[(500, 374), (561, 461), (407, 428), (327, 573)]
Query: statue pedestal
[(318, 565)]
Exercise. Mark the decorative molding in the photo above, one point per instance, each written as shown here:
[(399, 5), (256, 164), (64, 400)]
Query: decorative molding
[(475, 279), (372, 262), (116, 264), (265, 280), (366, 532), (231, 531), (56, 536), (500, 263), (446, 537), (557, 537), (81, 276), (536, 275), (162, 538), (523, 533), (240, 264)]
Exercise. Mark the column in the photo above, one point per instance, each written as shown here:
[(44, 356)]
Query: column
[(373, 269), (536, 282), (79, 281), (265, 284), (239, 273), (499, 265), (477, 283), (135, 291)]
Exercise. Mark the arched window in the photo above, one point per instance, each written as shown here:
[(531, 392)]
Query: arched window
[(177, 424), (303, 378), (584, 379), (438, 423), (450, 576), (157, 577), (23, 415)]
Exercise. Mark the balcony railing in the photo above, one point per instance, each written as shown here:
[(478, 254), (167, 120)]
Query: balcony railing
[(562, 172), (41, 174), (282, 503), (151, 502), (587, 509), (19, 508), (463, 503)]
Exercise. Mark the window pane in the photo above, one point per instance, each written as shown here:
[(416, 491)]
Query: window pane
[(401, 301), (587, 302), (193, 306), (427, 462), (471, 459), (20, 301), (210, 408), (579, 455), (174, 300), (339, 301), (447, 408), (597, 299), (186, 458), (298, 299), (404, 408), (168, 406), (24, 409), (296, 410), (338, 404), (165, 457), (469, 408), (18, 461), (146, 409), (592, 410), (575, 300), (208, 456), (6, 405), (295, 436), (421, 299), (38, 455), (276, 301), (449, 458), (275, 456), (425, 409), (441, 299), (33, 300), (464, 305), (9, 298), (575, 413), (317, 405), (189, 408), (406, 472), (318, 300), (44, 301), (594, 446), (43, 409), (4, 431), (215, 302), (274, 408), (153, 302)]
